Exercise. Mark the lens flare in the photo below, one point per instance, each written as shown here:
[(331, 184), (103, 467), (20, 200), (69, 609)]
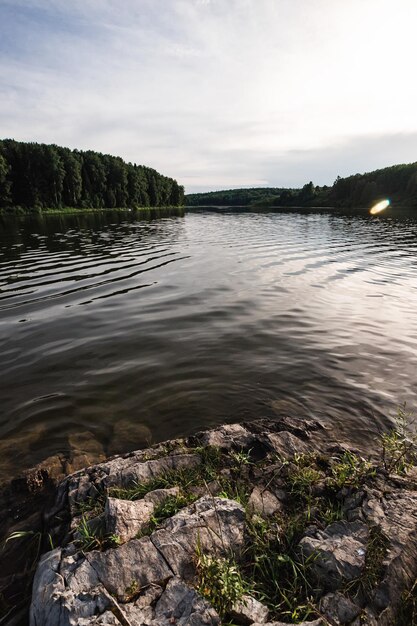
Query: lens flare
[(380, 206)]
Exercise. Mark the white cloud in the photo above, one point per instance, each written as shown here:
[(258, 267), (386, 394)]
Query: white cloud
[(215, 92)]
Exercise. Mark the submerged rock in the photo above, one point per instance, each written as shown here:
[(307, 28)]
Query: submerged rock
[(127, 436)]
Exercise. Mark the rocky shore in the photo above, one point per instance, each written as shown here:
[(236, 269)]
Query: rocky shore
[(265, 522)]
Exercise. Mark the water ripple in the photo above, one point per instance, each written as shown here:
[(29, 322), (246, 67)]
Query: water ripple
[(180, 323)]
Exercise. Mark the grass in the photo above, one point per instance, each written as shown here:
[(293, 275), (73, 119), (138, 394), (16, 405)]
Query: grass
[(272, 568), (399, 445), (220, 581), (303, 475), (371, 576), (33, 540), (91, 507), (351, 470), (92, 537), (166, 509), (407, 610), (186, 478), (280, 575), (146, 211)]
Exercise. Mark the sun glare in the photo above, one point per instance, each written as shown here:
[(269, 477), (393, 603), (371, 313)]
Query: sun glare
[(380, 206)]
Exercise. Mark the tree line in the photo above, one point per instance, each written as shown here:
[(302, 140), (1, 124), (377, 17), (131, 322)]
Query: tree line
[(39, 176), (398, 182)]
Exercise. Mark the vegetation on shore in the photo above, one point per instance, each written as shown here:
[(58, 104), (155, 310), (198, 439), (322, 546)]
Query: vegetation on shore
[(40, 177), (398, 182), (317, 490), (139, 211)]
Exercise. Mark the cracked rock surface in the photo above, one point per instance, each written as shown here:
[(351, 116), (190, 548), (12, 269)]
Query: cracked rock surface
[(130, 532)]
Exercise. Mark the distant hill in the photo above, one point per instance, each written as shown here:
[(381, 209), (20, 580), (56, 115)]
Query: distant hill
[(37, 176), (232, 197), (398, 182)]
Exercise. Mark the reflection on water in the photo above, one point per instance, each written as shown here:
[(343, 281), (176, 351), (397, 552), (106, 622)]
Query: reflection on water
[(128, 330)]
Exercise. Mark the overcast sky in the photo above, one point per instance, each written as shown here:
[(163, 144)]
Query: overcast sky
[(217, 93)]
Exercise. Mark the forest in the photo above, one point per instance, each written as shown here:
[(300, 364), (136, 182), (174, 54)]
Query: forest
[(36, 176), (398, 182)]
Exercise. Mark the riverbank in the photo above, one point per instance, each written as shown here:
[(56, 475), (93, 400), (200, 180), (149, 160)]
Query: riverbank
[(266, 522), (145, 211)]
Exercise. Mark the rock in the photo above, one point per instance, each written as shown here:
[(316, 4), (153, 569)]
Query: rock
[(248, 610), (216, 524), (123, 571), (127, 436), (158, 496), (264, 502), (147, 581), (286, 444), (105, 619), (149, 596), (46, 584), (137, 615), (338, 608), (340, 550), (316, 622), (183, 606), (122, 472), (227, 437), (395, 514), (64, 590), (125, 519), (85, 450)]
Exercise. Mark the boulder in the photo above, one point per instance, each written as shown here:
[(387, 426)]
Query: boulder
[(216, 525), (339, 609), (316, 622), (158, 496), (183, 606), (126, 569), (340, 552), (227, 437), (125, 519), (248, 610), (264, 502)]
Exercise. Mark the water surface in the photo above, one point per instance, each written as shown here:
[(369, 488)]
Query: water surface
[(128, 330)]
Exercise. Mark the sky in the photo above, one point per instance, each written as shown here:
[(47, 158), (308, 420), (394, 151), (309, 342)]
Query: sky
[(218, 94)]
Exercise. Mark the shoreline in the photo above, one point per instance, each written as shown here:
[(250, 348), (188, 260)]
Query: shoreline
[(302, 526), (22, 212)]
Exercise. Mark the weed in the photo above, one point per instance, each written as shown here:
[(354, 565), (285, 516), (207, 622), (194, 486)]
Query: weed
[(302, 478), (234, 490), (398, 445), (350, 470), (166, 509), (328, 511), (132, 590), (376, 551), (280, 576), (240, 459), (33, 543), (89, 537), (220, 581), (185, 478), (407, 610)]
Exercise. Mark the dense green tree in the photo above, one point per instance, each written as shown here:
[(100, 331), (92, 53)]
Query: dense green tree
[(398, 183), (5, 184), (39, 176)]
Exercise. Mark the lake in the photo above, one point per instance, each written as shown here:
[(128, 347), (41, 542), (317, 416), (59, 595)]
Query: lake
[(131, 331)]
